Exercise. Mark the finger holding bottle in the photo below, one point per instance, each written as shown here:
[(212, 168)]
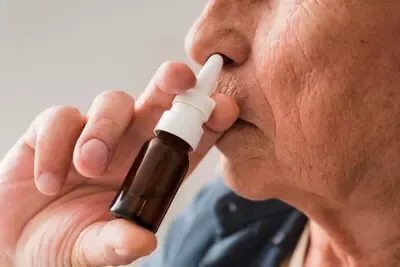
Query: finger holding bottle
[(155, 176)]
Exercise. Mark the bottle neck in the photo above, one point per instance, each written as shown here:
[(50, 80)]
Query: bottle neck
[(174, 141)]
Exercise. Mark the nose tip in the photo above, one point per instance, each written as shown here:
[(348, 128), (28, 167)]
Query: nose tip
[(193, 47), (208, 37)]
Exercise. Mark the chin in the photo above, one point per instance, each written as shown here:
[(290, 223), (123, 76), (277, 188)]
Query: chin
[(248, 164), (237, 182)]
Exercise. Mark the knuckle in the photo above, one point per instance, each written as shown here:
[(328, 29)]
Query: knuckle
[(61, 112), (167, 64), (49, 120), (110, 124), (58, 115), (78, 257), (166, 68), (115, 96)]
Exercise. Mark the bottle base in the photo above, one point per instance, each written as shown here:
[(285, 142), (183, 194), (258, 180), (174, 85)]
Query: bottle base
[(136, 220)]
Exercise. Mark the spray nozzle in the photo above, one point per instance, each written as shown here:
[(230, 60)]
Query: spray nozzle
[(208, 75), (199, 96), (191, 109)]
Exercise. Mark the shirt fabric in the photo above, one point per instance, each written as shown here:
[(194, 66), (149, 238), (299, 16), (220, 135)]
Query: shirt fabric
[(219, 228)]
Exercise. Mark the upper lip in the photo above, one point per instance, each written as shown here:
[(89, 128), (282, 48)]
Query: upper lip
[(229, 85)]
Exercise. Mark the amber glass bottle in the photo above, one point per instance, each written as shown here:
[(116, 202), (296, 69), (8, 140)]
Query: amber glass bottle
[(157, 173), (153, 181)]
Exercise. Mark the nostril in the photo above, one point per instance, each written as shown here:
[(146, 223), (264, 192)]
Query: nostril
[(227, 60)]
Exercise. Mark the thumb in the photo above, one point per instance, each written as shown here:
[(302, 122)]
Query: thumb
[(226, 112), (117, 242)]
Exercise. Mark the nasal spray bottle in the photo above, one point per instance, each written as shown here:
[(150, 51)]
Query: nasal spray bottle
[(158, 171)]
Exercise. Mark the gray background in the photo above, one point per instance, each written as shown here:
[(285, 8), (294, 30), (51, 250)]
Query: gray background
[(66, 52)]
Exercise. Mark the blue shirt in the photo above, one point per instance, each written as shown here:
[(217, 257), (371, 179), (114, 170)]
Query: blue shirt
[(219, 228)]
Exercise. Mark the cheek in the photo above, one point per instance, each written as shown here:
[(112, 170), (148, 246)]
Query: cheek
[(291, 49)]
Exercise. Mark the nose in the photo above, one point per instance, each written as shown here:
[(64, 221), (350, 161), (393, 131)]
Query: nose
[(219, 29)]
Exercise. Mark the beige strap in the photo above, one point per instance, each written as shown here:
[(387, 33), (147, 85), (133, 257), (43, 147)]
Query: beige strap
[(296, 259)]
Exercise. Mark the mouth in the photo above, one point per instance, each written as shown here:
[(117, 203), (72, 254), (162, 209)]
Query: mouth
[(235, 82), (242, 129), (242, 142), (242, 123)]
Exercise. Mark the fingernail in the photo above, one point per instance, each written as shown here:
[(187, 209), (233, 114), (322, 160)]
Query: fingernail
[(95, 154), (48, 184), (121, 252), (125, 254)]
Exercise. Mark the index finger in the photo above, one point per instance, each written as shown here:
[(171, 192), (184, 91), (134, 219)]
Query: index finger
[(170, 79)]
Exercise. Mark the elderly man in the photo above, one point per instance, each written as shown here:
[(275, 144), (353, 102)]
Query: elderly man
[(306, 113)]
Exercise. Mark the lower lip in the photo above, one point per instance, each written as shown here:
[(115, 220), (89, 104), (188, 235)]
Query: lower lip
[(240, 133), (239, 123), (244, 127)]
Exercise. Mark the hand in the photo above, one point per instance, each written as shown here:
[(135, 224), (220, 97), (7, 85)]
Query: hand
[(57, 182)]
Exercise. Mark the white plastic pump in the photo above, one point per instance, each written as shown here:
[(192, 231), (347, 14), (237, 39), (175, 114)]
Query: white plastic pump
[(191, 109)]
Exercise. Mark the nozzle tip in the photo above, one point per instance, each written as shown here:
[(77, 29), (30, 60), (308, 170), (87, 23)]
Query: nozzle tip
[(208, 76), (215, 59)]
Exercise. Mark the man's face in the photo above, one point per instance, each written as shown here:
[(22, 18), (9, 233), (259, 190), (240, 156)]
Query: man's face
[(317, 84)]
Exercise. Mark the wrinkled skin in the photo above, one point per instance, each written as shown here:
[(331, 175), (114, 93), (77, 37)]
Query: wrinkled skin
[(317, 83)]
